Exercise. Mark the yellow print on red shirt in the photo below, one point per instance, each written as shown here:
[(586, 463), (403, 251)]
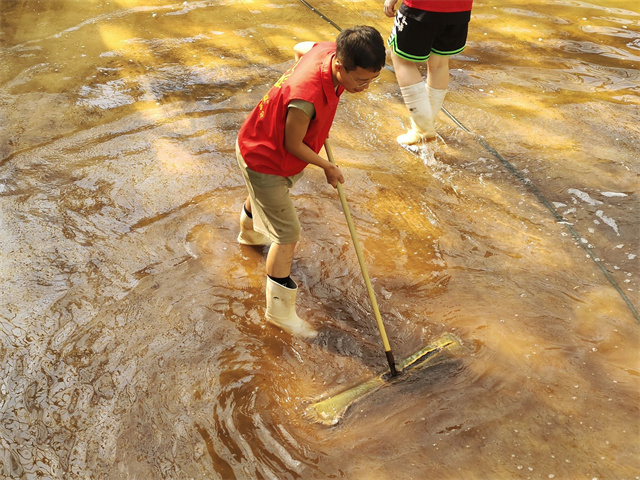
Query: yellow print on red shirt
[(265, 100)]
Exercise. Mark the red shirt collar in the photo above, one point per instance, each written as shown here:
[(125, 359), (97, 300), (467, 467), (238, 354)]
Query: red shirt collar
[(327, 78)]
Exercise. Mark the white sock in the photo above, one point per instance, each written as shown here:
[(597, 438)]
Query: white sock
[(417, 101), (436, 98)]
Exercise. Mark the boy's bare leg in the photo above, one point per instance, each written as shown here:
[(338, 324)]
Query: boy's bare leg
[(423, 101), (438, 72), (279, 259), (407, 72), (437, 82), (416, 99)]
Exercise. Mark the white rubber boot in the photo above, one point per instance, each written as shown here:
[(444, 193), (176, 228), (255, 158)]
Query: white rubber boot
[(417, 101), (414, 136), (436, 98), (247, 235), (281, 310)]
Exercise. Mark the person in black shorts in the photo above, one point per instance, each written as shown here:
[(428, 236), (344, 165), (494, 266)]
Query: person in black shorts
[(425, 31)]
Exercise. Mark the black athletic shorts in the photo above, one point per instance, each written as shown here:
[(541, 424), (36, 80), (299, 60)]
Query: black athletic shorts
[(416, 33)]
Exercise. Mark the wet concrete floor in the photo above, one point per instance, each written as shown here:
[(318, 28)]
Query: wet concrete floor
[(132, 337)]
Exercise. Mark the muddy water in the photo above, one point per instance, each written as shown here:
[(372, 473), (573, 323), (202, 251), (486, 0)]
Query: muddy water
[(133, 344)]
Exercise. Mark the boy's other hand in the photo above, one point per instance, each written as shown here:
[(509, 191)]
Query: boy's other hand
[(334, 175), (301, 48)]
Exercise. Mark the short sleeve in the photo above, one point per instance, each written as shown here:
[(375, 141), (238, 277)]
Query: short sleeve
[(306, 107)]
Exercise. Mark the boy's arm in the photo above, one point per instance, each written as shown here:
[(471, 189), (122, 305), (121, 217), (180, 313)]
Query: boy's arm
[(295, 129), (301, 48)]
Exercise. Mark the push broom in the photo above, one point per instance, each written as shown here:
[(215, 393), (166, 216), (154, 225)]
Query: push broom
[(331, 410)]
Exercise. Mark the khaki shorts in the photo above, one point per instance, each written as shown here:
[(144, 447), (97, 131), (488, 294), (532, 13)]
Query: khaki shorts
[(271, 206)]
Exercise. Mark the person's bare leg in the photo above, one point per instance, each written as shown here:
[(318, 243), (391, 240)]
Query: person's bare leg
[(438, 72), (416, 99), (437, 82), (407, 73), (279, 259)]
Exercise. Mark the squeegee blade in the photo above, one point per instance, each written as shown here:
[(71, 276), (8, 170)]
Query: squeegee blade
[(330, 410), (446, 340)]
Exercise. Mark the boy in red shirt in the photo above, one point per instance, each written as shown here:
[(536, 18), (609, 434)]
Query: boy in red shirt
[(425, 31), (281, 136)]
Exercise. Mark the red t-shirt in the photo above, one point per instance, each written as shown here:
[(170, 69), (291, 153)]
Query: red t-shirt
[(261, 137), (440, 5)]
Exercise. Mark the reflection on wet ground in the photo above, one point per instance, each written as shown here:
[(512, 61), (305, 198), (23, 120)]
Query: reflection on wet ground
[(133, 343)]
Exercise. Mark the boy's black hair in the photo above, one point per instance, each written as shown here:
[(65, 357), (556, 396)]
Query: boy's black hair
[(361, 46)]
